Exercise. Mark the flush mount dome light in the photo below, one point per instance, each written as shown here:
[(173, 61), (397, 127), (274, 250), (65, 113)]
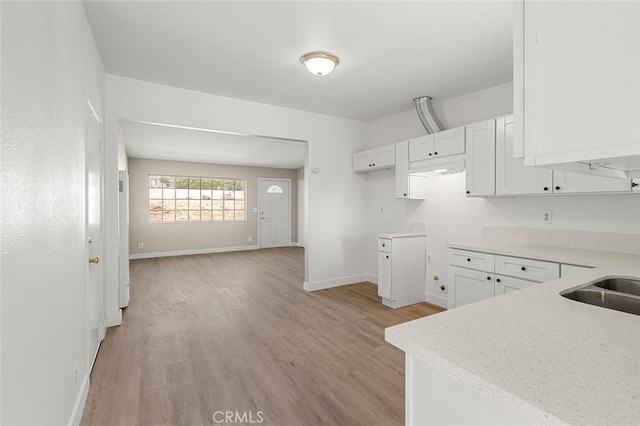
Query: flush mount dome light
[(319, 63)]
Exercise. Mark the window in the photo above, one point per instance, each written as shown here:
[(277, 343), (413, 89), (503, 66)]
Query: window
[(275, 189), (196, 199)]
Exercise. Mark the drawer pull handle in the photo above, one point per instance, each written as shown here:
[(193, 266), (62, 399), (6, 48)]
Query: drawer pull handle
[(523, 268), (546, 188), (468, 260), (557, 188), (387, 257), (497, 280), (489, 278), (384, 245)]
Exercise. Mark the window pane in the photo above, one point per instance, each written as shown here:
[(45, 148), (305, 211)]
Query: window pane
[(206, 194), (229, 205), (194, 215), (216, 215), (155, 216), (239, 185), (239, 195), (155, 205), (182, 194), (239, 205), (154, 181), (228, 215), (228, 195), (168, 182), (168, 216), (207, 183), (217, 184), (194, 183), (168, 194), (194, 194), (182, 205), (217, 194), (182, 182), (168, 205), (239, 214), (275, 189), (182, 215), (218, 205), (206, 215), (194, 205), (206, 205), (155, 194)]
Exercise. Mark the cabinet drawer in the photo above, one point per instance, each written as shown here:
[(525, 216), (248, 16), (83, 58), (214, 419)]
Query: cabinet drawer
[(471, 259), (384, 245), (532, 270), (508, 284)]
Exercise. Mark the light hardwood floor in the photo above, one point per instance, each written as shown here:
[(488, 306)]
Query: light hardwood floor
[(236, 332)]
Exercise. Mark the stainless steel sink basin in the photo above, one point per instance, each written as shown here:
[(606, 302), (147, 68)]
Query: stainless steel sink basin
[(622, 285), (620, 294)]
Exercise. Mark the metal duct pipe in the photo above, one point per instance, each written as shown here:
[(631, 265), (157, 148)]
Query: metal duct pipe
[(425, 111)]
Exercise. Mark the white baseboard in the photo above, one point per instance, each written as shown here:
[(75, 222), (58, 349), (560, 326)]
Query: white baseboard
[(81, 400), (337, 282), (372, 279), (114, 318), (435, 299), (297, 244), (191, 251)]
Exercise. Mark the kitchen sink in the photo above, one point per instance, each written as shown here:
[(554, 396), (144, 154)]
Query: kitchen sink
[(620, 294)]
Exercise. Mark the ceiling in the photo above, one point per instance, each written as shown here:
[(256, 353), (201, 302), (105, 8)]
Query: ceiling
[(390, 52), (163, 142)]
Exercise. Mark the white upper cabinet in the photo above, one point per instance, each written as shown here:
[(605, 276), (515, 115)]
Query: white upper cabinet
[(373, 159), (577, 84), (441, 144), (408, 186), (480, 158), (512, 177), (421, 148)]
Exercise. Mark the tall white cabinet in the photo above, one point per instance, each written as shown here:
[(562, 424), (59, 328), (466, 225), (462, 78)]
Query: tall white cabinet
[(401, 269)]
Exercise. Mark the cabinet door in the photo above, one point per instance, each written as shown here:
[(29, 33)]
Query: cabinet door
[(481, 158), (402, 169), (567, 182), (362, 160), (512, 177), (581, 80), (384, 275), (468, 286), (449, 142), (569, 270), (421, 148), (506, 285), (384, 156)]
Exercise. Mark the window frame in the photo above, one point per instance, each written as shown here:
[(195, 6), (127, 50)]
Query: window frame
[(221, 187)]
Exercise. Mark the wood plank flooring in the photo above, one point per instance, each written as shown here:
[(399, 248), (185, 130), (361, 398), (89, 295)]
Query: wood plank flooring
[(236, 332)]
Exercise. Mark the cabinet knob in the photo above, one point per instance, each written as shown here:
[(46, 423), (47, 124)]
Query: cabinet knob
[(405, 194), (546, 188), (523, 268), (435, 153), (374, 164), (442, 287), (430, 154), (468, 192), (468, 259), (387, 257), (557, 188), (634, 184), (488, 278), (384, 245), (369, 165), (497, 280)]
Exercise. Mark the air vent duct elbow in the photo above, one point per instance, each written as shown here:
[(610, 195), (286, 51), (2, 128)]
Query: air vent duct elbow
[(425, 111)]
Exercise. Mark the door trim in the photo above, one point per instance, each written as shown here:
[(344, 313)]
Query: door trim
[(260, 205)]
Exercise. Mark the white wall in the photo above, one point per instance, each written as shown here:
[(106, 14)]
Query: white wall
[(335, 210), (450, 216), (50, 66)]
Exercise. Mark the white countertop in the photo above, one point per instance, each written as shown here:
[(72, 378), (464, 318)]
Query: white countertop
[(549, 359), (401, 235)]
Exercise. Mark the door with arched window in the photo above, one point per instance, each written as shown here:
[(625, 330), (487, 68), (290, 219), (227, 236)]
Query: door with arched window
[(275, 212)]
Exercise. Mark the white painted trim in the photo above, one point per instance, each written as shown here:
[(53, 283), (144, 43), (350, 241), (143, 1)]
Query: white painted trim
[(191, 251), (372, 279), (260, 207), (114, 318), (297, 244), (435, 299), (337, 282), (81, 400)]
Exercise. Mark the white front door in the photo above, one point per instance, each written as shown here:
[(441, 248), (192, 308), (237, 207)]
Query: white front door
[(275, 212), (93, 148)]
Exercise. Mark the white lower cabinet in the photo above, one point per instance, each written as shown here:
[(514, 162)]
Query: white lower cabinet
[(401, 269), (475, 276)]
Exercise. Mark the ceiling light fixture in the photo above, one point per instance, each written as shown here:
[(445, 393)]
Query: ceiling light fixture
[(319, 63)]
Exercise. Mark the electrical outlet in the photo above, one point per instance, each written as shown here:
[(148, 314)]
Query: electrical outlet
[(547, 217), (428, 257), (140, 245), (381, 210), (250, 239)]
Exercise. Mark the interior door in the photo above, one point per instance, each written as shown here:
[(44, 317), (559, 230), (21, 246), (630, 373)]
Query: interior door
[(93, 149), (275, 213)]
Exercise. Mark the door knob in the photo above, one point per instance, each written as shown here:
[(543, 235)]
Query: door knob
[(94, 259)]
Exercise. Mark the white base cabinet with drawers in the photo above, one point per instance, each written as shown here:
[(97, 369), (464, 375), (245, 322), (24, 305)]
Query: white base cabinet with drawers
[(475, 276), (401, 269)]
